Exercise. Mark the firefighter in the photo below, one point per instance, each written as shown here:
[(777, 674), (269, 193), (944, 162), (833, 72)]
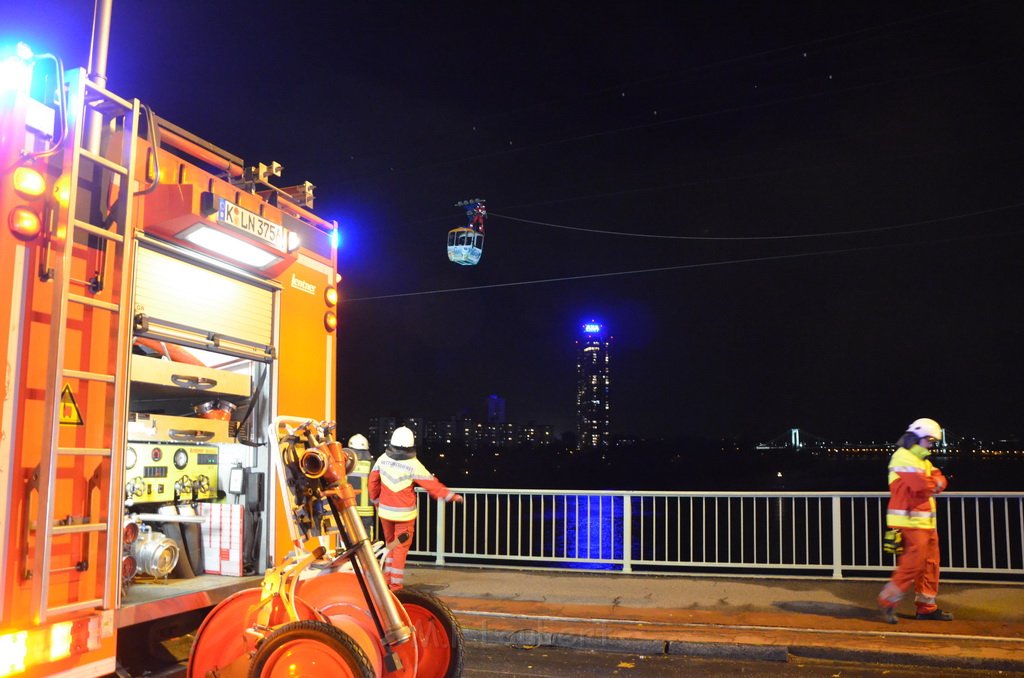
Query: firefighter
[(477, 215), (360, 447), (913, 482), (392, 491)]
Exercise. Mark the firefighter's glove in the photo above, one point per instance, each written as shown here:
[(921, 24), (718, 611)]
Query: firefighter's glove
[(892, 542)]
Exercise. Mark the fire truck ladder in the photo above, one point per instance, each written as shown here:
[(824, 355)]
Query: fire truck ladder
[(89, 171)]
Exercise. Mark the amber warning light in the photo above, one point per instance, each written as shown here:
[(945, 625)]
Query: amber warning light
[(25, 221), (28, 182)]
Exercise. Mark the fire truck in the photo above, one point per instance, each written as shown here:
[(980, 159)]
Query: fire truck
[(162, 305)]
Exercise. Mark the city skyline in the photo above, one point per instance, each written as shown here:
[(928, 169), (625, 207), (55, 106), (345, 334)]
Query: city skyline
[(464, 428)]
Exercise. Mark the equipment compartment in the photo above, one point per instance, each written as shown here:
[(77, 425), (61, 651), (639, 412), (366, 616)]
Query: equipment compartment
[(165, 428), (155, 378)]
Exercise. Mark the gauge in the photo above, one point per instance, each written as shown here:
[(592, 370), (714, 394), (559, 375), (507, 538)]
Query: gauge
[(180, 458), (157, 454), (130, 457)]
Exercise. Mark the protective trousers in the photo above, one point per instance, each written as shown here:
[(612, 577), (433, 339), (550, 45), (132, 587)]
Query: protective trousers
[(918, 566), (394, 562)]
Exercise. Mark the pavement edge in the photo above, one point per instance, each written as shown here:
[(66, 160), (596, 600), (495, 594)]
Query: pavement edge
[(528, 638)]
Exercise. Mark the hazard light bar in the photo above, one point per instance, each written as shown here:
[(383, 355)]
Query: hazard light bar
[(220, 228)]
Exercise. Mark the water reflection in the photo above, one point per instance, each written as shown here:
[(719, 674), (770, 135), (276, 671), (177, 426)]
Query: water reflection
[(591, 530)]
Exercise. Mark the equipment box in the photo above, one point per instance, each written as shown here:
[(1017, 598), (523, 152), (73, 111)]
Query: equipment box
[(158, 377), (223, 541), (165, 428)]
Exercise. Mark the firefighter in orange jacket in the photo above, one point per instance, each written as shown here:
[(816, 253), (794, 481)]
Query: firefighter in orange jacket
[(913, 482), (392, 490)]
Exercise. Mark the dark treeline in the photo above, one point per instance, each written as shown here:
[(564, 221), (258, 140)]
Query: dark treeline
[(700, 465)]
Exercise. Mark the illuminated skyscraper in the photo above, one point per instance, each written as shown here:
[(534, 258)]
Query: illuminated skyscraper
[(495, 409), (593, 412)]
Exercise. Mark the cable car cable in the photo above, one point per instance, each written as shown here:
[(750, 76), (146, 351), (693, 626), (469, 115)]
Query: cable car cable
[(698, 182), (816, 168), (680, 119), (894, 227), (695, 70), (706, 264)]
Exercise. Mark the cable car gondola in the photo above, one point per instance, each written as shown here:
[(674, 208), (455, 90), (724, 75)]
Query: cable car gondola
[(466, 243)]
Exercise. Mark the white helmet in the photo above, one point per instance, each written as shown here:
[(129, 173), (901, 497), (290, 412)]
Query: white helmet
[(359, 442), (926, 428), (402, 437)]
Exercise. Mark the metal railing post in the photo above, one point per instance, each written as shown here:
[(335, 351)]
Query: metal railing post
[(627, 534), (439, 533), (837, 538)]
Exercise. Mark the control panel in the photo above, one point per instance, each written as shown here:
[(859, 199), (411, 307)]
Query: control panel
[(165, 472)]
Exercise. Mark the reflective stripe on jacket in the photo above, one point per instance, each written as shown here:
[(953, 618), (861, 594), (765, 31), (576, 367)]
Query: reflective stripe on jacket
[(912, 483), (392, 487)]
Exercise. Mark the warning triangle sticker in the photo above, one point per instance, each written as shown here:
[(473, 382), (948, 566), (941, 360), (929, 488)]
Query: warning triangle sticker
[(70, 415)]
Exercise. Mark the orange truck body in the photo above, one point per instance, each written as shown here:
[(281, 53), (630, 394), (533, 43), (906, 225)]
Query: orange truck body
[(77, 293)]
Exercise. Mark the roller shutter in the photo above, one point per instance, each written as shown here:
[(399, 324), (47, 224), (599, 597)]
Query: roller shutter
[(170, 289)]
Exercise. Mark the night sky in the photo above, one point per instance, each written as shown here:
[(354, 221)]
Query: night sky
[(723, 121)]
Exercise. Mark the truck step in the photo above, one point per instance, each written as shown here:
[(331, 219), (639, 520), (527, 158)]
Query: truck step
[(80, 528), (100, 160), (97, 231), (92, 604), (101, 99), (95, 303), (84, 451), (88, 376)]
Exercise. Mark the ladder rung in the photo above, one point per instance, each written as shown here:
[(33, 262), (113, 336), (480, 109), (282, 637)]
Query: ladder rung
[(98, 232), (108, 108), (89, 376), (58, 610), (95, 303), (79, 528), (84, 451), (100, 160), (104, 94)]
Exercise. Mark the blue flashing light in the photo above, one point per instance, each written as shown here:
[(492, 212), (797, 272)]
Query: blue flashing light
[(15, 71), (335, 239), (591, 328)]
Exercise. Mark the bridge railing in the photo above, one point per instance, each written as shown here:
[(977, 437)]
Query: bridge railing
[(812, 533)]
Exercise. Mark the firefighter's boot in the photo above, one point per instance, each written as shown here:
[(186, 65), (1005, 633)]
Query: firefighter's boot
[(936, 615)]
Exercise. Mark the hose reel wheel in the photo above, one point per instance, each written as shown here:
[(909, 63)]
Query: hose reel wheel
[(310, 647)]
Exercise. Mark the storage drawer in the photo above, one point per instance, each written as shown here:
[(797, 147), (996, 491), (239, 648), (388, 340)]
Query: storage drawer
[(165, 428), (182, 377)]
